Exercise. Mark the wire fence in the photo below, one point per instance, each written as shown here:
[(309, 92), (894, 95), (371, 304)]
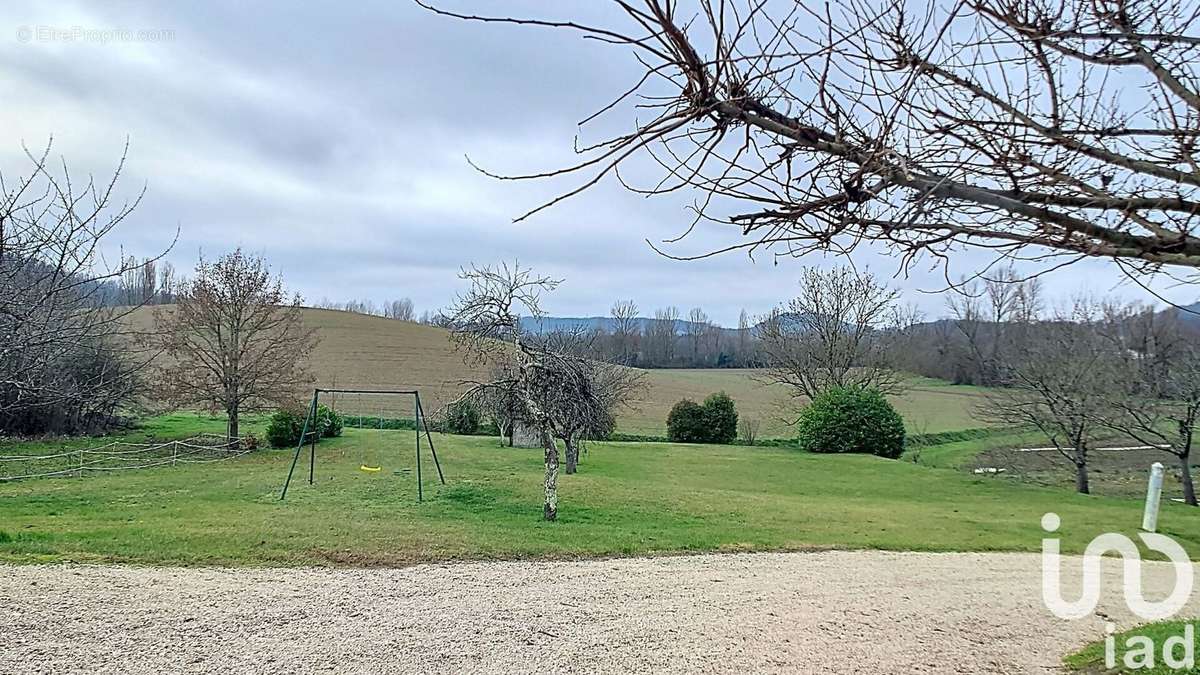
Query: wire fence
[(120, 456)]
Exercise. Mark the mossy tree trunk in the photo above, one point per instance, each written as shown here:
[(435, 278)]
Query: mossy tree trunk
[(1185, 477), (572, 452), (1081, 477), (550, 484)]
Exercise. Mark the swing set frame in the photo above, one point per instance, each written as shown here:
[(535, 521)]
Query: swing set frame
[(309, 434)]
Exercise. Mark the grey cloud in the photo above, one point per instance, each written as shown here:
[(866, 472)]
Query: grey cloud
[(331, 136)]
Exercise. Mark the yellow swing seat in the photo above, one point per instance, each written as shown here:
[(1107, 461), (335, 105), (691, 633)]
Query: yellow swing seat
[(370, 469)]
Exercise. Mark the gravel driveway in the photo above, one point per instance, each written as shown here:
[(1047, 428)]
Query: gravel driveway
[(831, 611)]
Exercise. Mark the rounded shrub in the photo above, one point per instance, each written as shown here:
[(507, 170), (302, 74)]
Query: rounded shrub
[(686, 422), (721, 418), (851, 419), (285, 428), (329, 423), (463, 418)]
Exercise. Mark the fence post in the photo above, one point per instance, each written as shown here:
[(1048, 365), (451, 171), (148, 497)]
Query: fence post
[(81, 462), (174, 452), (1153, 496)]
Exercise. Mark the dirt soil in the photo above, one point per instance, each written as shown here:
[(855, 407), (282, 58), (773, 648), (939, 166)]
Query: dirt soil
[(835, 612), (1111, 472)]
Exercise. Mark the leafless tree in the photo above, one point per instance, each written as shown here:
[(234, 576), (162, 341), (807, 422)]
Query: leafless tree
[(485, 326), (697, 329), (1011, 126), (63, 364), (167, 282), (544, 381), (748, 429), (663, 333), (835, 333), (234, 341), (625, 330), (1061, 384), (1156, 394), (611, 387), (401, 310), (139, 284), (991, 315), (744, 338), (500, 403)]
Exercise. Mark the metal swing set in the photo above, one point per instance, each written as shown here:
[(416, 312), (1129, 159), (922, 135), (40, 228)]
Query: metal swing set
[(310, 434)]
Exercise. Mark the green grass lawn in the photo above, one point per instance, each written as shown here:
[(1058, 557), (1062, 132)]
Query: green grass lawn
[(630, 498), (1091, 659)]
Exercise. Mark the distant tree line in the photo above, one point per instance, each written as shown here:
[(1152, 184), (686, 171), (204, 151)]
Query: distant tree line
[(401, 310), (670, 339), (149, 282)]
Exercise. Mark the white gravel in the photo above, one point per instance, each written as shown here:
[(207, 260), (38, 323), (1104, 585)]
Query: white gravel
[(836, 612)]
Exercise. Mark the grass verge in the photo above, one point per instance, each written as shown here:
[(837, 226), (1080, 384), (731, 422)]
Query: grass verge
[(1091, 659)]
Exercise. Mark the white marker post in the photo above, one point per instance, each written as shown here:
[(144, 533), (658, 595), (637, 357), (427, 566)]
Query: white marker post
[(1153, 497)]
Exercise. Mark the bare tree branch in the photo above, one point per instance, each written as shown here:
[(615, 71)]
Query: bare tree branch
[(1004, 125)]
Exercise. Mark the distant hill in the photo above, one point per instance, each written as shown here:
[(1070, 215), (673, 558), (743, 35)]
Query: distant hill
[(607, 324), (552, 324), (1191, 314), (370, 352)]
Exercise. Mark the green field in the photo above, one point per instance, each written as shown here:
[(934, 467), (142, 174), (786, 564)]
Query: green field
[(630, 498), (370, 352)]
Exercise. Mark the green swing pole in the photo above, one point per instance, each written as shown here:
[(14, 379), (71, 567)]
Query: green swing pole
[(428, 437), (417, 427), (300, 446), (314, 435)]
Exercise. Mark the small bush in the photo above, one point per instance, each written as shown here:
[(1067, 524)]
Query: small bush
[(686, 422), (285, 428), (748, 429), (716, 421), (462, 418), (329, 423), (850, 419), (720, 418)]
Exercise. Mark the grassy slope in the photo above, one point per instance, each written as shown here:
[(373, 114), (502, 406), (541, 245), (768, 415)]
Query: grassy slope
[(630, 498), (370, 352), (958, 454)]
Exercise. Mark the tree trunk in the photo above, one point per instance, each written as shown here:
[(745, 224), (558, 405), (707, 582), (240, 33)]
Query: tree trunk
[(1081, 478), (1185, 477), (232, 431), (572, 452), (550, 507)]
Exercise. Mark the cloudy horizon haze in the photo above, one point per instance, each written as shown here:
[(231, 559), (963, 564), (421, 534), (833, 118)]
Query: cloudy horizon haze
[(333, 139)]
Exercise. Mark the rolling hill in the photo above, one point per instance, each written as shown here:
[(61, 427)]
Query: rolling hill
[(359, 351)]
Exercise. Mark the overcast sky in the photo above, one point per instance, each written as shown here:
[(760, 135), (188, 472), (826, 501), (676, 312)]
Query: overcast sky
[(332, 139)]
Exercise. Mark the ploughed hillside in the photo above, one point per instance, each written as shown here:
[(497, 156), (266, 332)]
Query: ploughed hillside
[(368, 352)]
